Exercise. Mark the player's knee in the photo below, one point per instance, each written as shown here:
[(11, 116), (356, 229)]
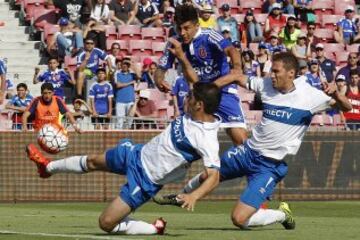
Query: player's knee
[(106, 224), (91, 163), (239, 220)]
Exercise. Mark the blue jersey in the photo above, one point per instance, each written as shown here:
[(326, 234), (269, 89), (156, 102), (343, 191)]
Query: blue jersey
[(57, 78), (125, 94), (272, 49), (252, 71), (348, 26), (180, 90), (18, 102), (206, 55), (3, 67), (101, 92), (313, 80), (94, 60), (9, 85)]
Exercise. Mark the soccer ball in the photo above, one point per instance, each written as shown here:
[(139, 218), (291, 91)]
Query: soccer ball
[(52, 138)]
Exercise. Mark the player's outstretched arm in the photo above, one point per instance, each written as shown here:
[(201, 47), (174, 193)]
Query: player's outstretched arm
[(24, 120), (159, 78), (212, 180), (340, 101), (237, 78)]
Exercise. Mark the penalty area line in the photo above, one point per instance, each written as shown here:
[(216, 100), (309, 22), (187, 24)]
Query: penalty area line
[(75, 236)]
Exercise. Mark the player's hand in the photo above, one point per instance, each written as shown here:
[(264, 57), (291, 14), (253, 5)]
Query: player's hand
[(37, 70), (188, 201), (176, 48), (329, 88), (163, 86)]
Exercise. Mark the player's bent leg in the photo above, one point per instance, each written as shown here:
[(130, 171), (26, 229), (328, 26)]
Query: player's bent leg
[(97, 162), (241, 213), (237, 135)]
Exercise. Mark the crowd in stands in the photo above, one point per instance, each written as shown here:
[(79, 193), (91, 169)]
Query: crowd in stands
[(102, 51)]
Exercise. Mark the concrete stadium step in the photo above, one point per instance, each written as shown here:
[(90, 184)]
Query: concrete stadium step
[(24, 68), (18, 29), (18, 52), (18, 45), (13, 37), (10, 22), (13, 60)]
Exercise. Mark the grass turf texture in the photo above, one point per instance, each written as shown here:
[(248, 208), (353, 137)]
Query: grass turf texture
[(211, 220)]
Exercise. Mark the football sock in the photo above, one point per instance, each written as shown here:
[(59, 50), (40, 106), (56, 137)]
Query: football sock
[(131, 227), (193, 184), (265, 217), (75, 164)]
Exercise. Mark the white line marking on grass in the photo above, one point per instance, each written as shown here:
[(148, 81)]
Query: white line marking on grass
[(111, 237)]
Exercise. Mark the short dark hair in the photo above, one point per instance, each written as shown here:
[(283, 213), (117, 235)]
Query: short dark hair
[(354, 72), (22, 85), (209, 94), (47, 86), (52, 58), (311, 24), (115, 44), (184, 13), (288, 59)]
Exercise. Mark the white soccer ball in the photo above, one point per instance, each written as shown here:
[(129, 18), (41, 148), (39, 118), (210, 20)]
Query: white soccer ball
[(52, 138)]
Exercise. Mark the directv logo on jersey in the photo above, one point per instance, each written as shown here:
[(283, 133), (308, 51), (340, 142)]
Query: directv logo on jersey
[(177, 124), (278, 113)]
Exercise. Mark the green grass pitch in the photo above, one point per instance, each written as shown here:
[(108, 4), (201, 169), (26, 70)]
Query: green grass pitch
[(211, 220)]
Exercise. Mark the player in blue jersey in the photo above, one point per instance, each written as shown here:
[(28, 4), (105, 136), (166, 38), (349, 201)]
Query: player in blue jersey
[(3, 71), (206, 51), (164, 159), (288, 107), (57, 77), (179, 92)]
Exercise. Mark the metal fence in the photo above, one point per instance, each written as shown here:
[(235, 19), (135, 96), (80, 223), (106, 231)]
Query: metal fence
[(326, 168)]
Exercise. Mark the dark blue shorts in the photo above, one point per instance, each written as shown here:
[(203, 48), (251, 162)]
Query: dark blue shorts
[(262, 174), (124, 159), (231, 112)]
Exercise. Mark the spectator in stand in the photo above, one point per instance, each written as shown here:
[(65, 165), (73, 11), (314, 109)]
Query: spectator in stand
[(274, 45), (275, 21), (303, 9), (78, 113), (352, 65), (341, 84), (69, 39), (315, 77), (125, 92), (95, 29), (71, 9), (179, 92), (301, 49), (101, 95), (250, 67), (250, 30), (288, 7), (9, 89), (205, 19), (122, 12), (303, 68), (311, 38), (18, 103), (148, 14), (327, 66), (57, 77), (144, 107), (353, 94), (3, 70), (289, 34), (346, 27), (148, 72), (227, 20), (237, 45), (264, 60), (225, 31), (113, 56), (168, 20), (266, 7), (88, 63)]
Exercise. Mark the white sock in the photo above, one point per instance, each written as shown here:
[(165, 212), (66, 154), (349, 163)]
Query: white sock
[(75, 164), (265, 217), (193, 184), (129, 226)]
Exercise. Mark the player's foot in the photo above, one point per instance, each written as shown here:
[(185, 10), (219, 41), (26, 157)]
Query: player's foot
[(160, 225), (169, 199), (38, 158), (289, 222)]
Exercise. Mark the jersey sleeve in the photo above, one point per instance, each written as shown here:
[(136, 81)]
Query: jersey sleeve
[(92, 91), (2, 68), (167, 59), (13, 100), (41, 77), (33, 105), (111, 91), (320, 100), (80, 58), (255, 84), (210, 155), (102, 54), (219, 41), (62, 107)]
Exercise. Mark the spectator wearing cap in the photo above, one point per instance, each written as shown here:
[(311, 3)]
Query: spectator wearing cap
[(148, 14), (250, 67), (122, 12), (251, 29), (301, 49), (327, 66), (341, 84), (353, 94), (144, 107), (147, 75), (225, 30), (303, 9), (352, 65), (274, 45), (227, 20), (315, 77), (205, 19), (346, 28), (264, 60), (289, 34), (125, 92), (275, 21), (101, 95), (311, 38), (303, 68), (69, 40)]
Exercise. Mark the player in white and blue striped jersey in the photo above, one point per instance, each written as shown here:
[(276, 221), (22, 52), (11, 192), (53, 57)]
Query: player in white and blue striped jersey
[(288, 107), (164, 159)]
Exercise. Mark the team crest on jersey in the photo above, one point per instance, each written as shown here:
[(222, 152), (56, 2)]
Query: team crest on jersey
[(202, 52)]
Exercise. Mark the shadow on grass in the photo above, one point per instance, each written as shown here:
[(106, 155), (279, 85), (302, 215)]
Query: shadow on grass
[(232, 229)]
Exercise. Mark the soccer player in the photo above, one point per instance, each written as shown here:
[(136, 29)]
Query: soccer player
[(288, 107), (46, 109), (206, 51), (164, 159)]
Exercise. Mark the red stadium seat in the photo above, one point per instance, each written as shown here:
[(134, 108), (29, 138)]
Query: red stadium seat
[(340, 6), (337, 121), (334, 47), (330, 21), (341, 58), (353, 48), (239, 17), (330, 55), (158, 48), (128, 32), (154, 34), (49, 31), (234, 7), (141, 86), (124, 45), (326, 35), (140, 47), (156, 95), (43, 17), (255, 6), (29, 7), (153, 58), (321, 120), (261, 18), (110, 32), (323, 7), (254, 47)]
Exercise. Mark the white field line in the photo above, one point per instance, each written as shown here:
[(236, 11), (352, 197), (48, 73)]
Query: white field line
[(112, 237)]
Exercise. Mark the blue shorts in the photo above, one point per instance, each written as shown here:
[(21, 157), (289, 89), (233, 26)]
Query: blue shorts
[(262, 174), (231, 112), (124, 159)]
